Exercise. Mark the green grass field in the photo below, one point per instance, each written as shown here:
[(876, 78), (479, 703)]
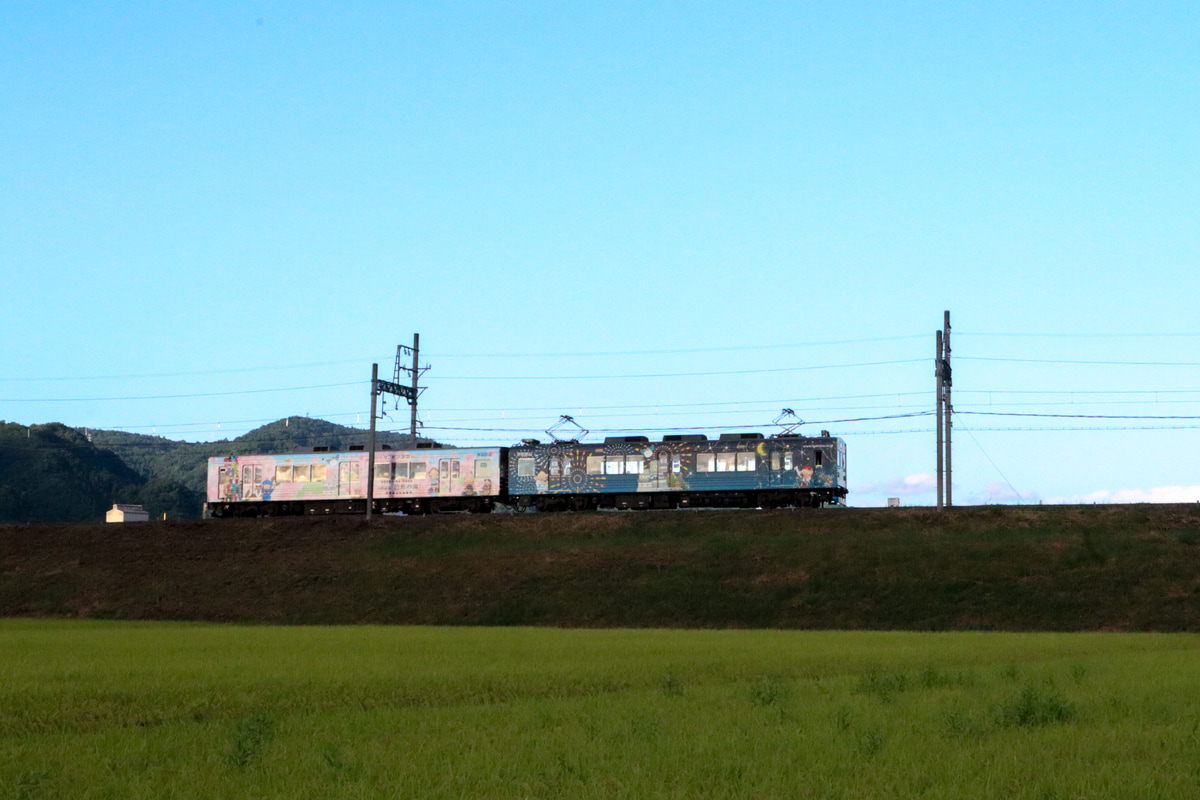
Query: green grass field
[(131, 710)]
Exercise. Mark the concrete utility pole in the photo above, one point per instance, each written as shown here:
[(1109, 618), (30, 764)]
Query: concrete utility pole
[(371, 440), (947, 382), (937, 371), (412, 428), (413, 391)]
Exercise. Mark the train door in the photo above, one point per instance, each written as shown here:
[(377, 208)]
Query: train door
[(347, 478), (445, 484), (781, 469), (653, 469), (251, 482), (227, 482)]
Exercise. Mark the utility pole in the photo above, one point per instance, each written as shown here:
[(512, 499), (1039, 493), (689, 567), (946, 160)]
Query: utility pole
[(937, 371), (416, 348), (412, 391), (949, 410), (409, 393), (371, 441)]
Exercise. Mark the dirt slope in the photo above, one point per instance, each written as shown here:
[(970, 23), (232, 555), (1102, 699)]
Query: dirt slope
[(1043, 568)]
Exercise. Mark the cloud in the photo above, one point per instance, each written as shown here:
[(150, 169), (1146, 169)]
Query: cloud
[(920, 483), (1158, 494), (1001, 492)]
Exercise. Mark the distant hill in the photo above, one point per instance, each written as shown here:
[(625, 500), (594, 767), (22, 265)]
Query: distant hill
[(52, 473), (187, 462)]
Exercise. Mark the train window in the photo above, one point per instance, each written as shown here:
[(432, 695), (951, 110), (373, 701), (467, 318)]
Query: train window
[(416, 470), (595, 465), (634, 465), (283, 474), (817, 457), (614, 465), (706, 462), (675, 464), (455, 469), (525, 467), (566, 465), (745, 462), (787, 461), (300, 473), (555, 467), (402, 470), (726, 462), (483, 468), (319, 472), (776, 461), (383, 472)]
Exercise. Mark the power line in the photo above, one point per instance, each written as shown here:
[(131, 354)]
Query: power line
[(1090, 363), (1077, 391), (184, 374), (695, 405), (1080, 335), (742, 348), (686, 428), (672, 374), (1076, 416), (176, 396), (995, 466)]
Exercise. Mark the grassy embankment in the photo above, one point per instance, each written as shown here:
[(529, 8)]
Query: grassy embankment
[(1132, 568), (133, 710)]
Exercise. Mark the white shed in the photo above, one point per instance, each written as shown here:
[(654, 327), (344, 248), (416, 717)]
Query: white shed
[(123, 512)]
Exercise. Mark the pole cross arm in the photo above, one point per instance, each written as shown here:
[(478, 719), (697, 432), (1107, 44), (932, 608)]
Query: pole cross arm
[(397, 389)]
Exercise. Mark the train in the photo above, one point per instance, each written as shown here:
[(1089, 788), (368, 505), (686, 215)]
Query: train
[(734, 470)]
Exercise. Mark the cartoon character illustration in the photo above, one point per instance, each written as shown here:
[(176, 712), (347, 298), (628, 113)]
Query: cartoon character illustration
[(487, 486), (267, 486), (433, 481), (542, 480), (804, 475)]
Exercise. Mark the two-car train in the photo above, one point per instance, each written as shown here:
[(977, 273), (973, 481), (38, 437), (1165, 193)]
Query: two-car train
[(736, 470)]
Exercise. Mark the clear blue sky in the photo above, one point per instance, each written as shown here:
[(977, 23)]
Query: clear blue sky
[(214, 215)]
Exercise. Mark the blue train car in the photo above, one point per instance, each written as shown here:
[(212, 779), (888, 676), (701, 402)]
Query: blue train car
[(740, 470)]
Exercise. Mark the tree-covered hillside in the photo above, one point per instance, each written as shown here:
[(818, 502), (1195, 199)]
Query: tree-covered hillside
[(52, 473), (187, 462)]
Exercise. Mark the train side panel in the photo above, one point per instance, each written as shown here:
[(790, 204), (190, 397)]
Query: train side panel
[(734, 471), (320, 483)]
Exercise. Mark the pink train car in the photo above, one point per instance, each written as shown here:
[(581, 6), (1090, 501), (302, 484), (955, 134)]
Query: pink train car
[(410, 481)]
